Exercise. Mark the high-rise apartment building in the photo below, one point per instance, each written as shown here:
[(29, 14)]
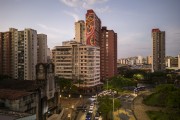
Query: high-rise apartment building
[(76, 61), (49, 55), (27, 54), (14, 52), (93, 28), (5, 53), (108, 53), (158, 38), (30, 56), (42, 48), (19, 53), (80, 31)]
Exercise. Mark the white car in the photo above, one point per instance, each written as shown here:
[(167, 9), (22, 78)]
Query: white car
[(90, 111)]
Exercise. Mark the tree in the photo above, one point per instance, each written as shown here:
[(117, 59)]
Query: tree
[(118, 82), (138, 76), (4, 77), (63, 83), (106, 106)]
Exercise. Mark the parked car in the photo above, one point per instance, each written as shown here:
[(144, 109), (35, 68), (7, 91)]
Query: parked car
[(88, 116)]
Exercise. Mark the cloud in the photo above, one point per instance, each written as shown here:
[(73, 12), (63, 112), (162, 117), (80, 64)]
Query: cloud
[(78, 3), (103, 10), (56, 30), (87, 4), (178, 33), (75, 16), (48, 28), (95, 1), (72, 3)]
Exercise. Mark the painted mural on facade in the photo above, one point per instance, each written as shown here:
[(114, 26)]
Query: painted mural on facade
[(90, 29)]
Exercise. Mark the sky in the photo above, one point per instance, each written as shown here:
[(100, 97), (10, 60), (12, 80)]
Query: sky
[(132, 20)]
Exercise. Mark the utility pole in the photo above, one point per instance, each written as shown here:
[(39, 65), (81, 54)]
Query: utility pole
[(107, 83), (113, 105)]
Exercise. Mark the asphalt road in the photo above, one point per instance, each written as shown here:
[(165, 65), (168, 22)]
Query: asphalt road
[(126, 101)]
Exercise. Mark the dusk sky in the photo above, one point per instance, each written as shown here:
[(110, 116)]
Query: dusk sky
[(132, 20)]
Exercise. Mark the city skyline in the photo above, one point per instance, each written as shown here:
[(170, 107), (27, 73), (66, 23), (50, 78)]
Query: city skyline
[(133, 21)]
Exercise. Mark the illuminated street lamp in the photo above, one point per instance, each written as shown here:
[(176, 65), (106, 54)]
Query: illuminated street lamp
[(60, 100)]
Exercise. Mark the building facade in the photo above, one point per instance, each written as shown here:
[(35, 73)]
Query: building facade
[(27, 55), (139, 60), (93, 28), (42, 48), (20, 101), (20, 51), (5, 53), (158, 39), (149, 60), (76, 61), (80, 31), (38, 97), (172, 62), (108, 53)]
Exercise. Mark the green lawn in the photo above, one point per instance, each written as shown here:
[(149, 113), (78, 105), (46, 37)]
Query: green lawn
[(165, 96), (168, 97), (154, 115)]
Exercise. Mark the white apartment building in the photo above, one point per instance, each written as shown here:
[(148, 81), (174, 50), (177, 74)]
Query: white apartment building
[(76, 61), (139, 60), (80, 31), (42, 48)]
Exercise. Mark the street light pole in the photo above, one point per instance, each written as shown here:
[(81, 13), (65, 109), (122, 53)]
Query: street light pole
[(113, 105), (60, 100), (107, 83)]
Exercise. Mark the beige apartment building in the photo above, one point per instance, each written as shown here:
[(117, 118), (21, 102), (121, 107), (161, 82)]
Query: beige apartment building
[(42, 48), (76, 61), (158, 38), (21, 53), (30, 54), (80, 31), (149, 60)]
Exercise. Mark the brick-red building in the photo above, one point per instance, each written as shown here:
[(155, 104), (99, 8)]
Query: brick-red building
[(108, 53), (5, 53)]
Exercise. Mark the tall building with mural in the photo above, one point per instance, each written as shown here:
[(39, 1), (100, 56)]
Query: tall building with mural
[(158, 39), (93, 28)]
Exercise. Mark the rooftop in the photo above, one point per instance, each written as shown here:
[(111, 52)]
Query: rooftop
[(12, 94), (19, 85)]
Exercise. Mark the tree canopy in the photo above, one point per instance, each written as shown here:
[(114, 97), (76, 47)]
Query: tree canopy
[(106, 106)]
